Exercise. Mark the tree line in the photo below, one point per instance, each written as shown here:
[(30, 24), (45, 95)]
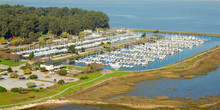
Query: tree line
[(26, 22)]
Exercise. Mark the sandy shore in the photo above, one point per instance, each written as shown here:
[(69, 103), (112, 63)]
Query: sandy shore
[(48, 102)]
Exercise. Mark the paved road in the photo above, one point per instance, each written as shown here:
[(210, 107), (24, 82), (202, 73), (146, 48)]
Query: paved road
[(13, 68)]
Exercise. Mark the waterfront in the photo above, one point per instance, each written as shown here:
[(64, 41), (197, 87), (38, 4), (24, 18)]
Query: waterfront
[(177, 56), (156, 15), (175, 86), (200, 86)]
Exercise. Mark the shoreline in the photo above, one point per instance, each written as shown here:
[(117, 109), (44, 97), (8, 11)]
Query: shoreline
[(178, 32), (126, 83), (137, 102)]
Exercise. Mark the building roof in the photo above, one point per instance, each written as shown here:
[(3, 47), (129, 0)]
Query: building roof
[(51, 62)]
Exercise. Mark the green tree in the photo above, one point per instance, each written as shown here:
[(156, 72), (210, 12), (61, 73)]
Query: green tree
[(143, 35), (42, 42), (13, 75), (83, 49), (61, 82), (62, 72), (31, 56), (72, 49), (81, 34), (15, 89), (9, 69), (31, 84), (64, 34), (84, 77), (88, 69), (102, 43), (43, 69), (2, 89), (20, 76), (2, 40), (33, 76), (27, 71), (23, 21)]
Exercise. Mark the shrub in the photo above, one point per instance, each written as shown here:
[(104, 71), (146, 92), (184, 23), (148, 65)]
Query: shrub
[(83, 78), (20, 76), (9, 69), (2, 40), (43, 69), (88, 69), (96, 66), (62, 72), (27, 71), (29, 89), (13, 75), (31, 84), (61, 82), (83, 49), (33, 76), (23, 68), (15, 89), (31, 56), (93, 67), (64, 34), (2, 89), (37, 68)]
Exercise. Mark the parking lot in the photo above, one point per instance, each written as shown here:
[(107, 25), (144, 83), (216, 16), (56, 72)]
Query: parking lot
[(44, 79)]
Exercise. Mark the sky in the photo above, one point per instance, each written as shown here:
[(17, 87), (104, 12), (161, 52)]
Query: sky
[(97, 1)]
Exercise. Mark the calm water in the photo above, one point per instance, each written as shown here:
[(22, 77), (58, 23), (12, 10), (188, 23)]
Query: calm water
[(178, 56), (187, 15), (200, 85)]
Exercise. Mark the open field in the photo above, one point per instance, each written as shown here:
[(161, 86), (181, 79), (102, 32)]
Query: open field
[(9, 62), (11, 97)]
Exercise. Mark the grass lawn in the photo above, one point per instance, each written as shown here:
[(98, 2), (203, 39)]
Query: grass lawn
[(12, 97), (1, 70), (76, 67), (9, 62)]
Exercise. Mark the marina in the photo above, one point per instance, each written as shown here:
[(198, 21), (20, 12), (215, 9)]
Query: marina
[(172, 48), (104, 55), (93, 40)]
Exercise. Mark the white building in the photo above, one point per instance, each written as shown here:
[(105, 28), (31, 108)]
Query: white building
[(87, 31), (52, 65)]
